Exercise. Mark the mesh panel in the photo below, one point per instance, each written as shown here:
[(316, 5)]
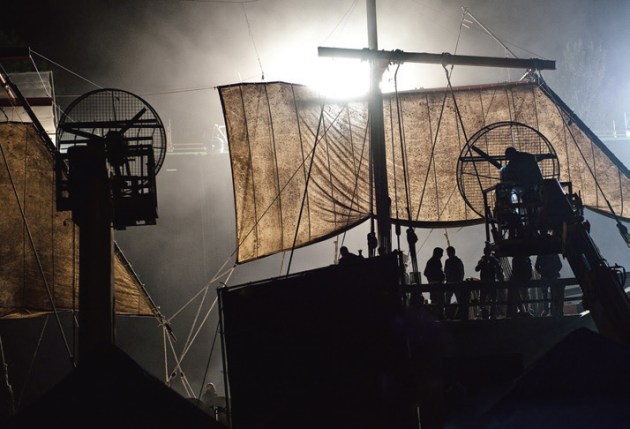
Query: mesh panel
[(110, 110)]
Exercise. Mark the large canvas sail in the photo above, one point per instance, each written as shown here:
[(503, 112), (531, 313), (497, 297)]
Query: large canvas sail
[(283, 136), (39, 252)]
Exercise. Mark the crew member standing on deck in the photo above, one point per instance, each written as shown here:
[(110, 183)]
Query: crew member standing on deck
[(454, 273), (549, 266), (521, 273), (490, 271), (434, 274)]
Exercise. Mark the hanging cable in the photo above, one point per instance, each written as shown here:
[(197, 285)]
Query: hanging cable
[(403, 147), (194, 337), (372, 241), (251, 36), (203, 289), (178, 371), (191, 337), (391, 127), (465, 11), (462, 25), (343, 18), (165, 354), (194, 322), (203, 381), (412, 238), (66, 69)]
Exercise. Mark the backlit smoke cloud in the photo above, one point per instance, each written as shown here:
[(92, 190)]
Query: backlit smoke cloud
[(173, 54)]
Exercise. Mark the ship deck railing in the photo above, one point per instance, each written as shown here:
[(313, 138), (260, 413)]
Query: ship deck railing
[(506, 296)]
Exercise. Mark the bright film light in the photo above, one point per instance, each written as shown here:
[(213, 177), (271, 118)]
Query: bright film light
[(340, 78)]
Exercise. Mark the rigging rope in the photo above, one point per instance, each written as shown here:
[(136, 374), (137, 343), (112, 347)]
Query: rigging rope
[(203, 381), (32, 364), (251, 36), (66, 69), (178, 371), (214, 279), (352, 6), (57, 108), (194, 322), (371, 237), (467, 144), (431, 158), (37, 258), (357, 170), (391, 127), (403, 147), (308, 179), (165, 353), (623, 230), (203, 322), (412, 238), (179, 359)]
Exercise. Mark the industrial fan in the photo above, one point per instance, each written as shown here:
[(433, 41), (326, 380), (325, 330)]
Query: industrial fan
[(480, 162), (124, 131)]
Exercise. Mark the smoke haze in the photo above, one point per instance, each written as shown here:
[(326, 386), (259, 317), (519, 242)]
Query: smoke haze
[(174, 54)]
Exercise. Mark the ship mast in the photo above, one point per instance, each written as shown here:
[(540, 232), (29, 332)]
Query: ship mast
[(377, 137), (375, 104)]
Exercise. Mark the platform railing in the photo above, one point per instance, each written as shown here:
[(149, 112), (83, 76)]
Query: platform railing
[(502, 299)]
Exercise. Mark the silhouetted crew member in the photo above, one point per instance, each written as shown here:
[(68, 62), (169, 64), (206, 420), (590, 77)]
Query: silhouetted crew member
[(549, 266), (412, 239), (454, 273), (490, 271), (522, 168), (347, 257), (212, 403), (372, 244), (434, 274), (523, 172), (521, 271)]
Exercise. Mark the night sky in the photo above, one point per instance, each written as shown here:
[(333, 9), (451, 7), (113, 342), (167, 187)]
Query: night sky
[(174, 53)]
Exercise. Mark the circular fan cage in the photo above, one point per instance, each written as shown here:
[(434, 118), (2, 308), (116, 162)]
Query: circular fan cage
[(100, 112), (478, 166), (133, 143)]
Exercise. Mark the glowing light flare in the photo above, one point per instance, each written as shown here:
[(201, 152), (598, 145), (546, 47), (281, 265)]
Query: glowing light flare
[(339, 78)]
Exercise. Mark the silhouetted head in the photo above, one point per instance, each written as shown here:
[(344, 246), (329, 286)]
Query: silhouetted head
[(438, 251), (450, 251), (209, 394), (510, 152), (343, 250)]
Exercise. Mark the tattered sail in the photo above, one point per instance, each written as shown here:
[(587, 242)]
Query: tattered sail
[(301, 163), (39, 251)]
